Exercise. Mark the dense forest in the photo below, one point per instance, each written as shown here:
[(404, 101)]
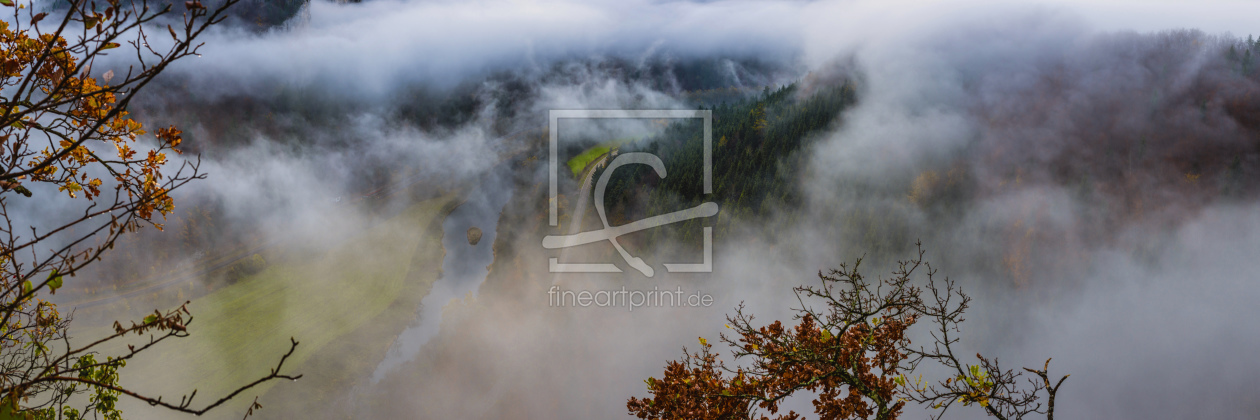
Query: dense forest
[(757, 143)]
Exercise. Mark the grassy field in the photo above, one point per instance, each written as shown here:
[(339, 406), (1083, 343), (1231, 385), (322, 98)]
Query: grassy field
[(344, 306), (579, 162), (584, 159)]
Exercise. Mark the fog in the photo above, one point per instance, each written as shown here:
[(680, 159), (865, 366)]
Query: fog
[(1070, 164)]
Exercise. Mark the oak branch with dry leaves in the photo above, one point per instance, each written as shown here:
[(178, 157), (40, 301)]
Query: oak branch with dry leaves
[(76, 172), (850, 351)]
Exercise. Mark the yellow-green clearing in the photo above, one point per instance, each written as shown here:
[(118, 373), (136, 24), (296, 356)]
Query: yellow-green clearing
[(579, 162), (584, 159)]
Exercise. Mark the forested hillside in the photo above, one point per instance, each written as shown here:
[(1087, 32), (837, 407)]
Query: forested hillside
[(756, 156), (1198, 139)]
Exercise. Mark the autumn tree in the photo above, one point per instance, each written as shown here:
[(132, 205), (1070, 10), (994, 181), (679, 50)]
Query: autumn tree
[(851, 351), (76, 172)]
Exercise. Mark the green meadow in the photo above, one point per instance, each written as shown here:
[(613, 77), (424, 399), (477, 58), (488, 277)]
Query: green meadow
[(344, 306)]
